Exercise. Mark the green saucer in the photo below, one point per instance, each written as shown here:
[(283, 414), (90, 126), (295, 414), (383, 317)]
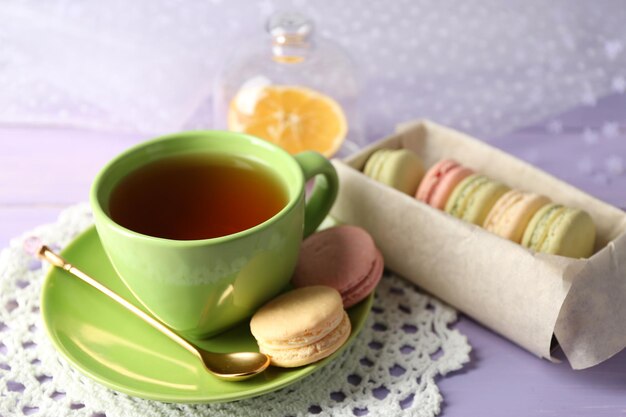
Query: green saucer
[(117, 349)]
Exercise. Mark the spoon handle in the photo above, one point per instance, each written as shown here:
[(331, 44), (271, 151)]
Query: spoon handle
[(47, 254)]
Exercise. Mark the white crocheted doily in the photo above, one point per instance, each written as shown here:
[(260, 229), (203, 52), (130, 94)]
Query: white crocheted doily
[(389, 370)]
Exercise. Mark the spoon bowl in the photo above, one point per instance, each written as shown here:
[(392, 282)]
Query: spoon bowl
[(235, 366)]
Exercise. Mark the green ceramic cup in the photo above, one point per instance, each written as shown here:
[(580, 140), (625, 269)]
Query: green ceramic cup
[(202, 287)]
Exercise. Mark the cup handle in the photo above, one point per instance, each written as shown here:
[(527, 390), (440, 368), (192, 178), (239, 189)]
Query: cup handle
[(324, 191)]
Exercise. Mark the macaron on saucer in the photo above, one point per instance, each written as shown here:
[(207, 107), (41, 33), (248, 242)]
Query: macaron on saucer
[(301, 326), (473, 198), (401, 169), (561, 230), (342, 257), (511, 214), (440, 181)]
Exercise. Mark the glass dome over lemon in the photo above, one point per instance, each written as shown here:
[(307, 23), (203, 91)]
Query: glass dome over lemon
[(293, 91)]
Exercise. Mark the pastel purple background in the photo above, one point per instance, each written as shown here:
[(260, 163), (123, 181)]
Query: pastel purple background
[(44, 170)]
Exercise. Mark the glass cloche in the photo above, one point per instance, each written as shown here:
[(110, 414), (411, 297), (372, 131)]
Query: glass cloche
[(292, 88)]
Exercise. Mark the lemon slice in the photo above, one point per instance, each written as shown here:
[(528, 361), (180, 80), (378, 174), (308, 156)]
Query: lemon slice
[(293, 117)]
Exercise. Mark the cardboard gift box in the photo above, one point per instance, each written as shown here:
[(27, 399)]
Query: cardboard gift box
[(528, 297)]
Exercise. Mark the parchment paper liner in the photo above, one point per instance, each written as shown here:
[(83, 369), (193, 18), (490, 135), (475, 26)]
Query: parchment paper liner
[(524, 296)]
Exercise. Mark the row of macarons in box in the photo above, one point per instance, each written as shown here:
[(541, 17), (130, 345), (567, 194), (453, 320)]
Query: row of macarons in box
[(529, 219)]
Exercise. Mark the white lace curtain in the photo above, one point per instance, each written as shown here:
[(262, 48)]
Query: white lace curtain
[(148, 65)]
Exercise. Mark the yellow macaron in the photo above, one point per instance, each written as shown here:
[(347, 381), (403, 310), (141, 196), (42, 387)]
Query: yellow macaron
[(301, 326), (561, 230), (472, 199), (401, 169)]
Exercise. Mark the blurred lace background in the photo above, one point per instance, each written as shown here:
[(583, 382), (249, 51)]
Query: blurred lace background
[(147, 66)]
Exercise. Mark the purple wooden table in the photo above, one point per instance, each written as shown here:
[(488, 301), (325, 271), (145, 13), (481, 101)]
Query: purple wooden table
[(44, 170)]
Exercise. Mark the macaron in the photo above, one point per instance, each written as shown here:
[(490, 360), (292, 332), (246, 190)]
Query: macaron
[(301, 326), (511, 214), (439, 181), (342, 257), (401, 169), (561, 230), (473, 198)]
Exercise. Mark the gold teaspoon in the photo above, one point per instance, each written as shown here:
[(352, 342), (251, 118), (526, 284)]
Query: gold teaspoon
[(235, 366)]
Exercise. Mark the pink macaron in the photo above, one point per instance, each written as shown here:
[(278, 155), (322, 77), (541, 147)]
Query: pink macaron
[(439, 181), (344, 258)]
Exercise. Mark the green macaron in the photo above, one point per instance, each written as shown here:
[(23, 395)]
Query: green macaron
[(472, 199), (561, 230), (401, 169)]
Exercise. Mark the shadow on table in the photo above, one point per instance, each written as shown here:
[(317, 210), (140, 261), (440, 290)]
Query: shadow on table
[(610, 374)]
